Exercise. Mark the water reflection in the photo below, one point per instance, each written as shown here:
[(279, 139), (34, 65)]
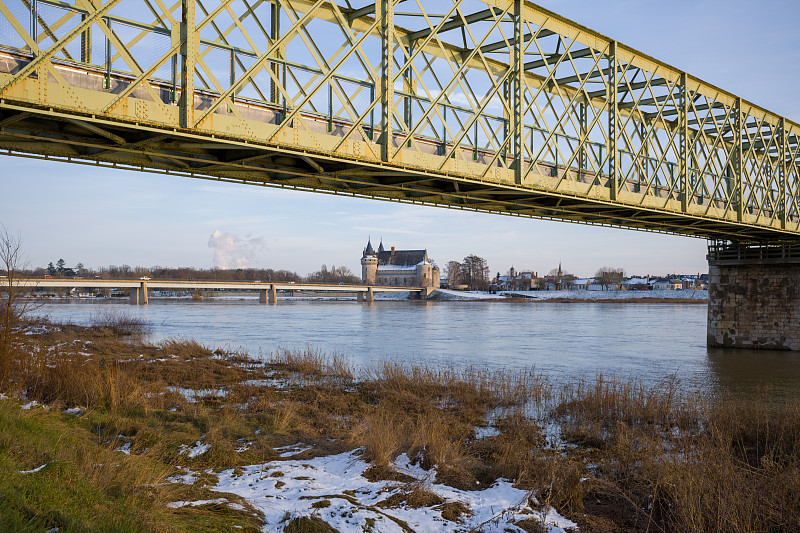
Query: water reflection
[(749, 372)]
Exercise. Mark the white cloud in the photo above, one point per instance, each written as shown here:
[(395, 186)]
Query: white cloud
[(234, 251)]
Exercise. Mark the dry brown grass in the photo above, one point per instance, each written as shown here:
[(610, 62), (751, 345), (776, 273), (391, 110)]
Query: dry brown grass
[(632, 457), (740, 474), (313, 363)]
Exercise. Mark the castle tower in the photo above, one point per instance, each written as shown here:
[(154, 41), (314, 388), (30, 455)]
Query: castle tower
[(424, 277), (369, 264), (427, 273)]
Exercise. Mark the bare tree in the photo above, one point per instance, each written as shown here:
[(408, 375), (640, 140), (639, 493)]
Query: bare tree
[(13, 307), (475, 272), (608, 276), (452, 271)]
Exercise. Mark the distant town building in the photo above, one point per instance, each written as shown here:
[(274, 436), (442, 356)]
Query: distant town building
[(636, 284), (398, 268), (667, 284), (587, 284), (558, 281), (514, 281)]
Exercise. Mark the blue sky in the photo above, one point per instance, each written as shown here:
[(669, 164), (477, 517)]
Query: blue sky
[(101, 216)]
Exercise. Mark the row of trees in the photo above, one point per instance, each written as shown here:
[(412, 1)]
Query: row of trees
[(473, 272), (61, 269), (325, 274), (609, 276)]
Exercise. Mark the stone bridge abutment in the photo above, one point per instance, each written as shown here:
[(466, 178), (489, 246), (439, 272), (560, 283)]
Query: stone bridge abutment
[(754, 296)]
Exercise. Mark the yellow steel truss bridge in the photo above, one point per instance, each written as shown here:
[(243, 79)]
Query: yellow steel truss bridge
[(497, 106)]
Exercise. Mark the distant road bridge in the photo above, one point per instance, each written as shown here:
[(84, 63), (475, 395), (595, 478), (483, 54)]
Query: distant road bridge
[(267, 291), (497, 106)]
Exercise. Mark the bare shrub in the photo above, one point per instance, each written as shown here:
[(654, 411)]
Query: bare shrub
[(13, 306), (117, 323)]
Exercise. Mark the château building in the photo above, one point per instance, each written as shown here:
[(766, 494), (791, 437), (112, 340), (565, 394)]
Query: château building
[(398, 268)]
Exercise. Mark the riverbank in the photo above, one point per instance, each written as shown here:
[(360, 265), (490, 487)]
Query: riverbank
[(98, 431)]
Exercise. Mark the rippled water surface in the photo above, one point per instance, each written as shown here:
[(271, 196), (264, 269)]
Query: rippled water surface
[(646, 341)]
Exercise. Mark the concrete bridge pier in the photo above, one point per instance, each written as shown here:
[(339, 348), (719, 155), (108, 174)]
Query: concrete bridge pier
[(754, 296), (139, 294), (365, 296), (268, 295)]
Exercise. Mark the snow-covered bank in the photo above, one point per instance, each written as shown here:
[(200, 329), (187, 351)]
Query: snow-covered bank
[(451, 295), (683, 294), (334, 489)]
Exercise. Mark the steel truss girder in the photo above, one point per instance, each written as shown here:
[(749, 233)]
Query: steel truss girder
[(569, 125)]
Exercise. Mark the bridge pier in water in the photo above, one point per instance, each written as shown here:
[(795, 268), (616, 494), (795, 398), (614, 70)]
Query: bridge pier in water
[(268, 295), (139, 294), (754, 296)]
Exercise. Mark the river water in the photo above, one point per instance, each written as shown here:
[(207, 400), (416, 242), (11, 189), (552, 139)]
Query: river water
[(649, 342)]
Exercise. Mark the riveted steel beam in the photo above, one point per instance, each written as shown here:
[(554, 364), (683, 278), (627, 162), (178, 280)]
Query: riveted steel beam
[(591, 131)]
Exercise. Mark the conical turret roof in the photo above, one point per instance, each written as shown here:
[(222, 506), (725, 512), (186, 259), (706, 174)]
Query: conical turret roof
[(370, 250)]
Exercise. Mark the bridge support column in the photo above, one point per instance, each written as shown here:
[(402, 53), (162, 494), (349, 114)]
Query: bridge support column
[(370, 296), (269, 295), (754, 297), (139, 294), (360, 296)]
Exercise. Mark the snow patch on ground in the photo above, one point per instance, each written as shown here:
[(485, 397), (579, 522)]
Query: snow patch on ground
[(287, 489), (481, 432), (275, 383), (199, 448), (294, 449), (176, 505), (192, 395), (125, 448), (37, 469)]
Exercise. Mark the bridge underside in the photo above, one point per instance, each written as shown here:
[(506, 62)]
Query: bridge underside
[(496, 106), (39, 133)]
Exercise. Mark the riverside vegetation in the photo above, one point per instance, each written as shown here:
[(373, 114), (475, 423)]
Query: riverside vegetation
[(612, 456)]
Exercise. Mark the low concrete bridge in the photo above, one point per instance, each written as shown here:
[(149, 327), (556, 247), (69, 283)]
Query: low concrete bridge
[(267, 291)]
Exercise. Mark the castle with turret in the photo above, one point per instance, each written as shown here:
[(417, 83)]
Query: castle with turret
[(398, 268)]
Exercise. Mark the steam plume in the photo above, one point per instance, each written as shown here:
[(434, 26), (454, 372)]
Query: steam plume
[(234, 251)]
